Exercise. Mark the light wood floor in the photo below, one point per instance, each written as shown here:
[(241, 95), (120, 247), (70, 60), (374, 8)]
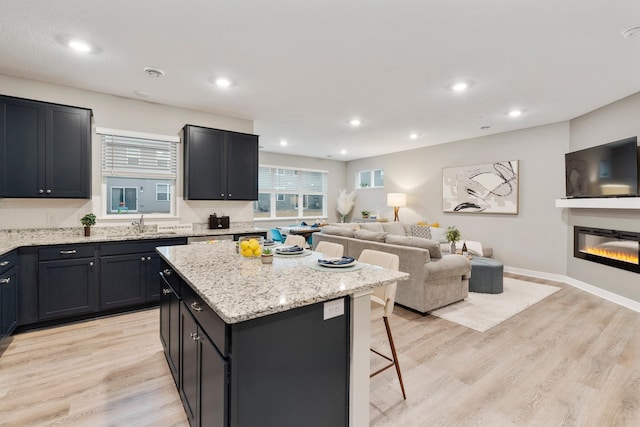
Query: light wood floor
[(572, 360)]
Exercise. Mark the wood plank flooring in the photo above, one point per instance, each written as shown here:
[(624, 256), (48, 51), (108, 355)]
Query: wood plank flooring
[(570, 360)]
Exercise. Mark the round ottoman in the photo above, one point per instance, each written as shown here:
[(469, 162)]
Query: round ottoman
[(486, 276)]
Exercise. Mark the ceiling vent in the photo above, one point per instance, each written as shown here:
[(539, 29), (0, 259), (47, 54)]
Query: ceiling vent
[(153, 72)]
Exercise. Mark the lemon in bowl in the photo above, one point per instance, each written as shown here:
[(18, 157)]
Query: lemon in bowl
[(250, 246)]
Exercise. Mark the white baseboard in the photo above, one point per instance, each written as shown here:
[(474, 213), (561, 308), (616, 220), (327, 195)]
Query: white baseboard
[(594, 290)]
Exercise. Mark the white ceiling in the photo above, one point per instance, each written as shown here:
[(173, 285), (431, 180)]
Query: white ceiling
[(303, 69)]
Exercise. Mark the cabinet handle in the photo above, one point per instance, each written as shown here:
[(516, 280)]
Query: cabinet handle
[(166, 291), (71, 252), (41, 191), (148, 258), (230, 194), (90, 263), (222, 195), (196, 306), (4, 263), (48, 191), (5, 281), (142, 259), (167, 272), (195, 337)]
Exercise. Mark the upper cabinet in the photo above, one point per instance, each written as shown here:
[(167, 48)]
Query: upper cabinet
[(45, 150), (219, 164)]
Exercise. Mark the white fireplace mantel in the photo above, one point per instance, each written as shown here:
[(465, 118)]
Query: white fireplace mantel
[(600, 203)]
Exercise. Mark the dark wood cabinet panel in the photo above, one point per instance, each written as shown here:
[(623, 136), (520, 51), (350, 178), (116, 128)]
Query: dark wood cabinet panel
[(219, 164), (122, 280), (45, 150), (188, 364), (66, 287), (170, 323), (213, 390), (8, 294)]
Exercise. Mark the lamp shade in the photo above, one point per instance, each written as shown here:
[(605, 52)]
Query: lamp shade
[(397, 200)]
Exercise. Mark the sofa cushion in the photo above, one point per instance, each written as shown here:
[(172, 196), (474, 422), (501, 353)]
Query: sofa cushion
[(350, 225), (423, 231), (338, 231), (371, 226), (418, 242), (370, 235), (395, 228)]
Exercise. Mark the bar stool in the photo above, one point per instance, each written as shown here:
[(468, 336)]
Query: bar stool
[(330, 249)]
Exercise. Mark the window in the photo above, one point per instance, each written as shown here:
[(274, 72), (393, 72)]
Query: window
[(291, 193), (370, 178), (163, 192), (138, 172)]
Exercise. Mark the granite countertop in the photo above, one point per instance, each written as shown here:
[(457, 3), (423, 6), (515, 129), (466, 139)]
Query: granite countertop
[(13, 239), (240, 289)]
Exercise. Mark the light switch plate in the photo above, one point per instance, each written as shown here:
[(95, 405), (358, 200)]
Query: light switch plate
[(333, 309)]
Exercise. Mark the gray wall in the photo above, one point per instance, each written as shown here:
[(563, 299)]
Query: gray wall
[(612, 122), (534, 239)]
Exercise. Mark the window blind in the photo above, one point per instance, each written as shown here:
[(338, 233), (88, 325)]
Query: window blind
[(128, 156)]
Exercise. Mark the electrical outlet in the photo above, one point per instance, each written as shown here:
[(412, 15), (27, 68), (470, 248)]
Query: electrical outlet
[(333, 309)]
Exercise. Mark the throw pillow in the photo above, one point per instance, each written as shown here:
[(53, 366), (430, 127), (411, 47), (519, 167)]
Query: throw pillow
[(374, 236), (417, 242), (423, 231), (371, 226), (337, 231), (394, 228), (439, 234)]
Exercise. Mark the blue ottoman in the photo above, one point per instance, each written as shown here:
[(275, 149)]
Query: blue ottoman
[(486, 276)]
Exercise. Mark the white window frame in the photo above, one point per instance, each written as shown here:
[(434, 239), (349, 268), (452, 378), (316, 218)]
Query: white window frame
[(278, 194), (372, 174), (167, 192), (172, 162)]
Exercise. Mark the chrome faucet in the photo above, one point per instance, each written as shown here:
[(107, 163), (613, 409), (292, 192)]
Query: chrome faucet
[(139, 223)]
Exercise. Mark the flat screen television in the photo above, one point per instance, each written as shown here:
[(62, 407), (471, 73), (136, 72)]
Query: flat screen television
[(608, 170)]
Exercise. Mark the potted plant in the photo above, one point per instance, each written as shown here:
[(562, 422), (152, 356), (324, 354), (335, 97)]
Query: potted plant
[(365, 214), (88, 220), (267, 256), (453, 235)]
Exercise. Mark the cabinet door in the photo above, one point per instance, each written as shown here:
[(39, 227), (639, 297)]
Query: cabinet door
[(170, 327), (8, 301), (212, 403), (66, 287), (122, 280), (152, 278), (188, 363), (203, 160), (22, 139), (242, 166), (68, 152)]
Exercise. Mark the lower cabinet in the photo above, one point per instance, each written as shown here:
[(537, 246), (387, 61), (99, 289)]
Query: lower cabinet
[(8, 299), (203, 373), (66, 287), (122, 280), (170, 320)]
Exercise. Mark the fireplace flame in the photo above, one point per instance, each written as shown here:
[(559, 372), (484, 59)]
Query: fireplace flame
[(608, 253)]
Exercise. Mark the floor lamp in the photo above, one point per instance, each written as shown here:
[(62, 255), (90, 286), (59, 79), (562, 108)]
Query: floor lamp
[(397, 201)]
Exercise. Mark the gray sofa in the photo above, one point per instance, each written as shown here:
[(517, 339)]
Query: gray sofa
[(435, 279)]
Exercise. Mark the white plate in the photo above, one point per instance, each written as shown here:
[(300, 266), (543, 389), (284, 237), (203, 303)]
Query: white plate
[(292, 254), (282, 250), (338, 265)]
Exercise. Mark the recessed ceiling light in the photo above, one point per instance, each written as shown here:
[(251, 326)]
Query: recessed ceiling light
[(79, 46), (355, 122), (283, 142), (223, 82), (343, 151), (515, 113), (153, 72), (413, 136), (460, 87), (631, 32)]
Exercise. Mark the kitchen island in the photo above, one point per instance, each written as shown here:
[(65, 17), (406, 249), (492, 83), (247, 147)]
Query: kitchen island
[(280, 344)]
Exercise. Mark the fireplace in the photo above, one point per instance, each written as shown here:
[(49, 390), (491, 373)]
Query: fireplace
[(615, 248)]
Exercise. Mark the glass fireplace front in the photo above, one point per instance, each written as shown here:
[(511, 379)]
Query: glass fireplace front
[(610, 247)]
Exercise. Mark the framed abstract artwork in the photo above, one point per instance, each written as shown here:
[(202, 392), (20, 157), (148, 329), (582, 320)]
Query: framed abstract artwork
[(483, 188)]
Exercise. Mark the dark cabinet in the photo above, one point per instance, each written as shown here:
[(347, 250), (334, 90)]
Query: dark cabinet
[(170, 320), (67, 285), (203, 373), (8, 294), (219, 164), (45, 150), (122, 280)]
